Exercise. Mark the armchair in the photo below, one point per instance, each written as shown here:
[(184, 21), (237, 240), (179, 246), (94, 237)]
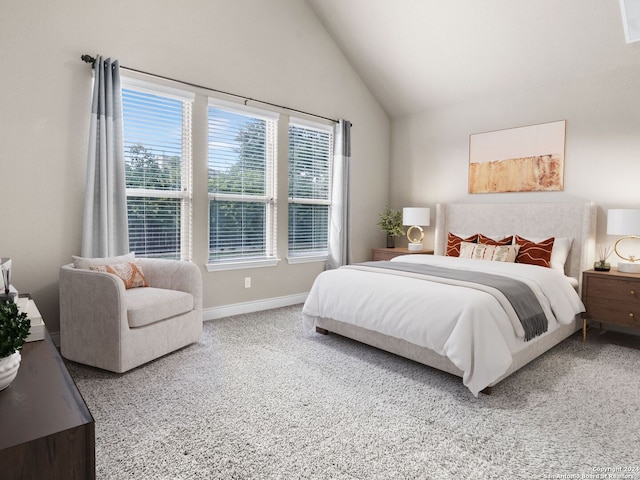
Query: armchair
[(104, 325)]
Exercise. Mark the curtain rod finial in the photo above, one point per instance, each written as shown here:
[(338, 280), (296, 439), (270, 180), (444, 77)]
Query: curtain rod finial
[(88, 59)]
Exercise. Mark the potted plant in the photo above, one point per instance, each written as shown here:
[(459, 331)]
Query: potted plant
[(14, 330), (391, 223)]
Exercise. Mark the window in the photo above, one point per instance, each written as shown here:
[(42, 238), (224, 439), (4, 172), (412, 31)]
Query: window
[(310, 148), (242, 185), (157, 145)]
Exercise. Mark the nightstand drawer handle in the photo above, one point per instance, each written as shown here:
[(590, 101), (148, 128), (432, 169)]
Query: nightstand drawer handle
[(631, 314), (632, 292)]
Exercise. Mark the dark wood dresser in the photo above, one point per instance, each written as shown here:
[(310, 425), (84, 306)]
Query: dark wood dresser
[(611, 297), (46, 429)]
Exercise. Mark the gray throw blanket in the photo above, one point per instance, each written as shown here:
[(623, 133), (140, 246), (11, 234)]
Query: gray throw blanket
[(519, 294)]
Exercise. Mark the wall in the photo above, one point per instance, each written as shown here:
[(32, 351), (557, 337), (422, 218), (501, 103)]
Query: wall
[(275, 51), (430, 150)]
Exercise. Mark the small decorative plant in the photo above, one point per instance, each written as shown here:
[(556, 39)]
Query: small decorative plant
[(391, 222), (14, 328)]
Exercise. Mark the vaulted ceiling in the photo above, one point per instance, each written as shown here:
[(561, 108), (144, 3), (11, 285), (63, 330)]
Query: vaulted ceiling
[(415, 55)]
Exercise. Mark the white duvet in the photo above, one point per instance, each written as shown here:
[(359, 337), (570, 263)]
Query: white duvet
[(467, 325)]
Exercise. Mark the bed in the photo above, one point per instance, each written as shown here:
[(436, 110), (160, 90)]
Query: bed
[(466, 329)]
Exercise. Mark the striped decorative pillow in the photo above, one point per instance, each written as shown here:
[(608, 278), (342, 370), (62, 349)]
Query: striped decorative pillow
[(454, 241), (495, 253), (534, 253)]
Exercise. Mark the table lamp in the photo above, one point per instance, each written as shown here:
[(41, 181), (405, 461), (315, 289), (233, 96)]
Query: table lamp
[(415, 218), (625, 221)]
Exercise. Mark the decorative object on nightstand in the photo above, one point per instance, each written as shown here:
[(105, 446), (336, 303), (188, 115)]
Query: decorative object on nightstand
[(625, 221), (610, 297), (7, 292), (415, 218), (391, 223), (601, 264), (14, 329), (26, 304)]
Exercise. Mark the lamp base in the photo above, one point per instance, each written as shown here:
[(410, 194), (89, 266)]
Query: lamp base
[(625, 267), (416, 247)]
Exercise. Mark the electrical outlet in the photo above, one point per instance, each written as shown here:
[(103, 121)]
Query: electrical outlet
[(247, 282)]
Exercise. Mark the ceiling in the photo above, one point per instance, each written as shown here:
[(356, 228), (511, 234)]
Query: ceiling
[(415, 55)]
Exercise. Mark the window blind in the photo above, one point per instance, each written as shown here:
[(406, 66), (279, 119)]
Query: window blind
[(309, 189), (242, 184), (157, 144)]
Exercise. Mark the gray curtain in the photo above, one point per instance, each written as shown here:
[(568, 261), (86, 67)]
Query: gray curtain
[(339, 243), (105, 231)]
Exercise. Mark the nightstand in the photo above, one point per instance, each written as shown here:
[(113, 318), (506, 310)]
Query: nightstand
[(389, 253), (611, 297)]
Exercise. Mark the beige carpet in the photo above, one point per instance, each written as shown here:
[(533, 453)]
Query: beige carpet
[(257, 399)]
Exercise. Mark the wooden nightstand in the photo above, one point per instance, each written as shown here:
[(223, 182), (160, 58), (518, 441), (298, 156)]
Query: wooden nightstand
[(611, 297), (389, 253)]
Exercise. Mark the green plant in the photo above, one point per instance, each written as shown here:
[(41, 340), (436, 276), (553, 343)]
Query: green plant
[(391, 222), (14, 328)]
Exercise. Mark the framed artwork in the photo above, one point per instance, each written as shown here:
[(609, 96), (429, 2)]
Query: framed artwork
[(522, 159)]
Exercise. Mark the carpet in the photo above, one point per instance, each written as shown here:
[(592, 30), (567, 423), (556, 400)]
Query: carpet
[(257, 398)]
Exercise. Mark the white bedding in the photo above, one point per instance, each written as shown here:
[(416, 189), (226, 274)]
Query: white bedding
[(468, 326)]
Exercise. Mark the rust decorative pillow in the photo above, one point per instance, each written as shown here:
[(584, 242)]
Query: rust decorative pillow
[(534, 253), (130, 273), (490, 241), (454, 241)]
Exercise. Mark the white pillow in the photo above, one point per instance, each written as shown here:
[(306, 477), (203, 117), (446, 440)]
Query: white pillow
[(495, 253), (559, 251), (86, 263)]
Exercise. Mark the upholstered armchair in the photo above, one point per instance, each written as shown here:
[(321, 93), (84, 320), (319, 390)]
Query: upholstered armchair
[(105, 325)]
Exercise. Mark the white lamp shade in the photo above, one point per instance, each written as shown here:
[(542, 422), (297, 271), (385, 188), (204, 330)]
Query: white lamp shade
[(623, 221), (416, 216)]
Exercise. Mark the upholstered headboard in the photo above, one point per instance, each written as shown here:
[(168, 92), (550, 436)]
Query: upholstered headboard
[(572, 220)]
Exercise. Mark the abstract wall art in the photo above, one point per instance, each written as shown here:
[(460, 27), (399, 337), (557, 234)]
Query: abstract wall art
[(521, 159)]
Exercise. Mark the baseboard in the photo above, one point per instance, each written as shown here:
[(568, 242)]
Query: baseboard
[(255, 306), (55, 337)]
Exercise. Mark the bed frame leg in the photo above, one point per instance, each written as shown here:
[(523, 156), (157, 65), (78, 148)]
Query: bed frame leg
[(323, 331), (487, 390)]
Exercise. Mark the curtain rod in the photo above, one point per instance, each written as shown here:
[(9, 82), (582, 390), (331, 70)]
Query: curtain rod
[(89, 59)]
